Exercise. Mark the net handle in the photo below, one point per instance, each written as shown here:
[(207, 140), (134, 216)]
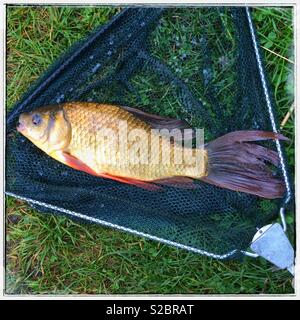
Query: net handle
[(288, 194)]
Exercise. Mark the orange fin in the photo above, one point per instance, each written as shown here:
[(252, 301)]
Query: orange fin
[(77, 164), (180, 182), (138, 183)]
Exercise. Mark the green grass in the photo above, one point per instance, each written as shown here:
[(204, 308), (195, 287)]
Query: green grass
[(275, 31), (54, 255)]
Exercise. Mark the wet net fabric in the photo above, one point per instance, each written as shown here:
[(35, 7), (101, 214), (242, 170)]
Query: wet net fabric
[(122, 63)]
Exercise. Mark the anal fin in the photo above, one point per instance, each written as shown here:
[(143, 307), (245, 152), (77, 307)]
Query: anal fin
[(179, 182)]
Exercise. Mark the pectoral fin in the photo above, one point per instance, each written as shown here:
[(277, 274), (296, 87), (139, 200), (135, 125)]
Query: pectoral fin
[(77, 164), (72, 162)]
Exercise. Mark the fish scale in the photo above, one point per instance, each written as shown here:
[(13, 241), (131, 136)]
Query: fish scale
[(87, 117)]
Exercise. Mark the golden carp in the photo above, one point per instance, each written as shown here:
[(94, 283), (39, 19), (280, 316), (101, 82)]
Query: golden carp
[(127, 145)]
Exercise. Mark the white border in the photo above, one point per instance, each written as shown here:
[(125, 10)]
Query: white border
[(164, 3)]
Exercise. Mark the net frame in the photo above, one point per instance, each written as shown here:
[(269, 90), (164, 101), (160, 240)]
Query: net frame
[(270, 107)]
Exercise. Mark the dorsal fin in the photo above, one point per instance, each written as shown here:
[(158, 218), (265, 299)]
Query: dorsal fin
[(159, 122)]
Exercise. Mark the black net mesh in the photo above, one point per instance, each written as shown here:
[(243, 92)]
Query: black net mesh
[(221, 93)]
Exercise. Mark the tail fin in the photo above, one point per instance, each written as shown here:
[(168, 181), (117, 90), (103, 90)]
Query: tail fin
[(237, 165)]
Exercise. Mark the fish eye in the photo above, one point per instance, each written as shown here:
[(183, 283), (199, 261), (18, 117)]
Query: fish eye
[(36, 119)]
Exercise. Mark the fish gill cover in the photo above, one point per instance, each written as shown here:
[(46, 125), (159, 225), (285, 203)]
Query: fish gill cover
[(222, 93)]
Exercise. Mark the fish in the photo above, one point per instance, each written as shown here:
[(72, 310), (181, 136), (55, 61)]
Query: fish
[(86, 136)]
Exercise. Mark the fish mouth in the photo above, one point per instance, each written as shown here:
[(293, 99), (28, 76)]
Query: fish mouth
[(21, 127)]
